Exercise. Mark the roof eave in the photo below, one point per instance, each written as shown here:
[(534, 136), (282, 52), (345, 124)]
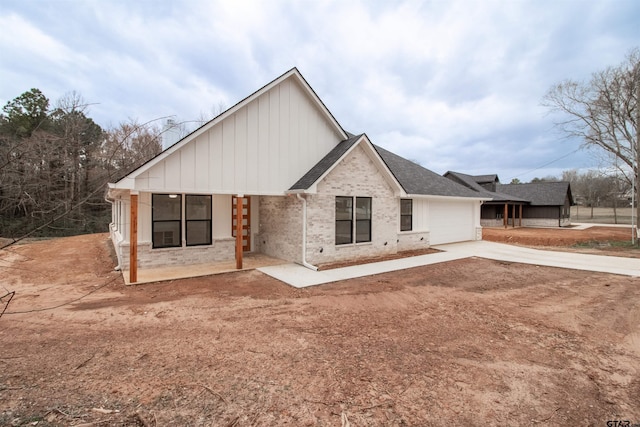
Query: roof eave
[(459, 198)]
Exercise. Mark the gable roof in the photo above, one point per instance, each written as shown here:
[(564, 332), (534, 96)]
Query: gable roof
[(481, 179), (535, 194), (291, 74), (325, 164), (413, 178), (540, 193), (472, 182)]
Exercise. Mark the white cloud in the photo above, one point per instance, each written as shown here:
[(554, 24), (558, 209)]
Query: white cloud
[(443, 83)]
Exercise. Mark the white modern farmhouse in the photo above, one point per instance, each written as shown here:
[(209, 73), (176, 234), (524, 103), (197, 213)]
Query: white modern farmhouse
[(278, 172)]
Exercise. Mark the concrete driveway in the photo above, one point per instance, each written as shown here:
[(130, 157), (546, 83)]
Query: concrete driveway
[(300, 277)]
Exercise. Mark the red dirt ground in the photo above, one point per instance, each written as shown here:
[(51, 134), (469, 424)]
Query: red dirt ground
[(469, 342), (594, 240)]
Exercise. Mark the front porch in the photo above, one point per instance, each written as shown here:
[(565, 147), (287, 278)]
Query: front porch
[(251, 261)]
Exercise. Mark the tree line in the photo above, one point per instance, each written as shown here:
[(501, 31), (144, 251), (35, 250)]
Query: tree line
[(55, 162)]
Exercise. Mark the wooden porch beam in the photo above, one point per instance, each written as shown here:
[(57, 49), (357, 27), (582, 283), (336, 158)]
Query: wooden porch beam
[(133, 240), (520, 220), (239, 206), (505, 217)]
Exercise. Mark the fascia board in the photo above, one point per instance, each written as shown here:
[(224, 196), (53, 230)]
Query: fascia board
[(456, 198)]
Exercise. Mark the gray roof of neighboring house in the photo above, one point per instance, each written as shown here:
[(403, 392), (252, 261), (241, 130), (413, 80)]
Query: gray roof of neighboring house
[(412, 177), (540, 193), (480, 179), (535, 194), (471, 182)]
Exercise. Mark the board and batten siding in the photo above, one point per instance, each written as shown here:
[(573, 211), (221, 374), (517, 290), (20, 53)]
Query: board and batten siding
[(262, 148), (420, 215)]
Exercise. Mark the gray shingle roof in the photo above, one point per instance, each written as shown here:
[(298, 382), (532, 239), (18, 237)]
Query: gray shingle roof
[(418, 180), (535, 194), (540, 193), (471, 182), (412, 177), (480, 179), (325, 163)]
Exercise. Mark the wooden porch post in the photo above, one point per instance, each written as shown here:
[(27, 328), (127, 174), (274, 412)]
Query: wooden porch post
[(239, 204), (513, 216), (520, 220), (133, 240), (505, 217)]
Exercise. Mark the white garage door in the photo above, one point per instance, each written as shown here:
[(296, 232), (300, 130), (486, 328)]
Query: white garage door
[(450, 222)]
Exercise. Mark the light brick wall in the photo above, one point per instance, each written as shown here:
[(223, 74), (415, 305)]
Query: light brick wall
[(491, 222), (544, 222), (280, 227), (411, 240), (528, 222), (220, 250), (356, 175)]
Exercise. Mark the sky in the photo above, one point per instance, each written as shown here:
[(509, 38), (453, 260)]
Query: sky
[(452, 85)]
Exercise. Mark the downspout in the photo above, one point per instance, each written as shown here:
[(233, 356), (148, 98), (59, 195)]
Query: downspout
[(304, 234)]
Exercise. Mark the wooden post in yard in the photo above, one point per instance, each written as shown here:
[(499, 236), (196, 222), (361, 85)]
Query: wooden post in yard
[(520, 220), (506, 215), (239, 207), (133, 240)]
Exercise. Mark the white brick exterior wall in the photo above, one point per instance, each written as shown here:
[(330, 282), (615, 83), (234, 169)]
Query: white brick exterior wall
[(528, 222), (280, 227), (409, 240), (355, 175), (220, 250)]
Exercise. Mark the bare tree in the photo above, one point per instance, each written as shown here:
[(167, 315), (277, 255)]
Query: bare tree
[(55, 164), (605, 112)]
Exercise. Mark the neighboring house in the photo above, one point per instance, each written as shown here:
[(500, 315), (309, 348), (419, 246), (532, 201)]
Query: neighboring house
[(535, 204), (309, 191)]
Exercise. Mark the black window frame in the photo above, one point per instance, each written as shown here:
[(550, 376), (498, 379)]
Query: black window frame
[(360, 221), (156, 244), (356, 222), (403, 215), (343, 221), (188, 221)]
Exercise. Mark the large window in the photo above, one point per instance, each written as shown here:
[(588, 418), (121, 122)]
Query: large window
[(363, 219), (352, 222), (344, 220), (166, 220), (198, 220), (406, 215)]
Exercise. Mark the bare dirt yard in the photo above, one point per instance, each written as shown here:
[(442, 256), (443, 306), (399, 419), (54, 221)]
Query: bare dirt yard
[(470, 342), (615, 241)]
